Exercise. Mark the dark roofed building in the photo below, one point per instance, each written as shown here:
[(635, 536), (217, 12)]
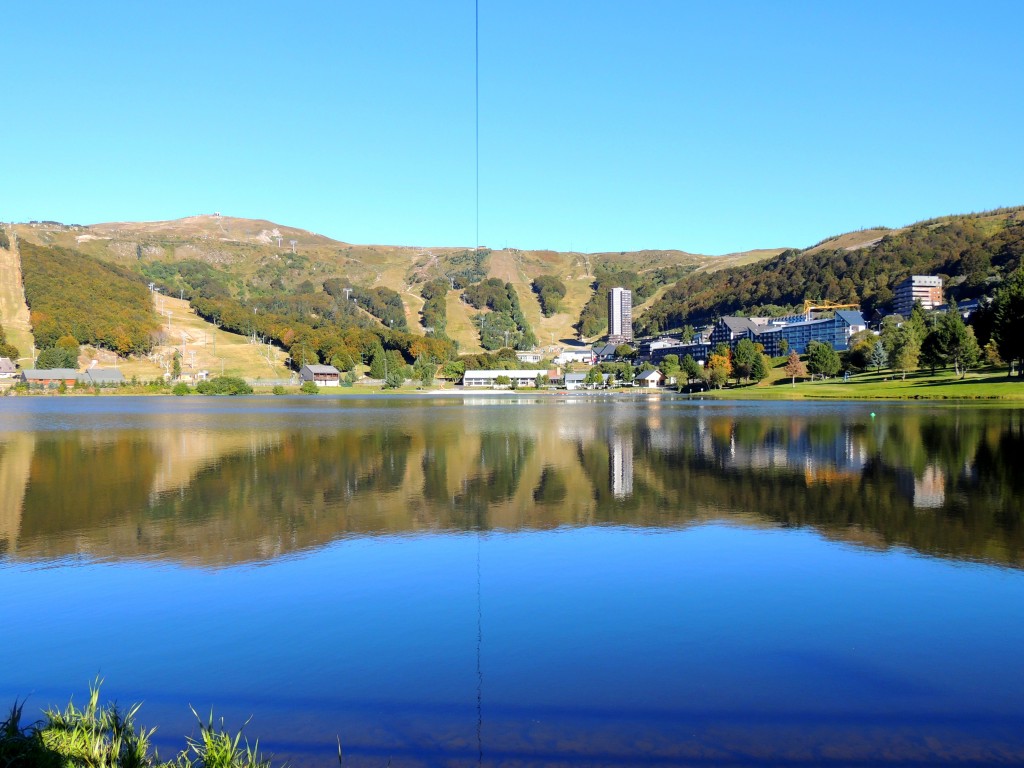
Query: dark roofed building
[(8, 370), (102, 377), (45, 377), (323, 375)]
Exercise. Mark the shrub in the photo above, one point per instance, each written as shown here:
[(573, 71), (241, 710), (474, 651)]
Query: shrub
[(180, 389), (309, 388), (277, 390), (224, 385)]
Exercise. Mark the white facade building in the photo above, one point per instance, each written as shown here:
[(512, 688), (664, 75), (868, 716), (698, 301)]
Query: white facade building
[(620, 316), (924, 288)]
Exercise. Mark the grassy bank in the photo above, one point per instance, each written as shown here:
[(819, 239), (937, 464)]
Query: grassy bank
[(105, 736), (989, 384)]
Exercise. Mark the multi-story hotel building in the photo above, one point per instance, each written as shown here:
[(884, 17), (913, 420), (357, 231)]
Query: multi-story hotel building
[(923, 288), (620, 316)]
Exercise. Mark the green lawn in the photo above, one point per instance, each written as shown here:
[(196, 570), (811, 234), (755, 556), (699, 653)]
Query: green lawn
[(985, 384)]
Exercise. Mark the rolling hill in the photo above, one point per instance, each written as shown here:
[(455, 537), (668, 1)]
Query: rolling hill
[(252, 256), (233, 265)]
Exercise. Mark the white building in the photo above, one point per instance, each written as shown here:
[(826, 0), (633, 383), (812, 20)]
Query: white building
[(620, 316), (575, 355), (489, 378), (8, 370), (924, 288), (529, 357)]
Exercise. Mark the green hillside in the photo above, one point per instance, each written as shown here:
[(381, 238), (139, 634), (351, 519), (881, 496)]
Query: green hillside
[(971, 252), (72, 295), (250, 260)]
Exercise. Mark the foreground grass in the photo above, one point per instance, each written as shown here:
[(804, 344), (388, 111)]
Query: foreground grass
[(990, 384), (104, 736)]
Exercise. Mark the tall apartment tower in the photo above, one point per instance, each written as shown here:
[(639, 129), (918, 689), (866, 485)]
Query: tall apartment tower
[(923, 288), (620, 316)]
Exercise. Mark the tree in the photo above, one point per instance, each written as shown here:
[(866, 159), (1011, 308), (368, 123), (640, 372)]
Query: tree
[(503, 381), (453, 370), (822, 360), (628, 373), (55, 357), (343, 361), (624, 350), (906, 350), (891, 325), (1008, 321), (542, 380), (879, 356), (691, 368), (176, 365), (795, 367), (933, 355), (395, 377), (378, 368), (424, 369), (759, 370), (743, 359), (594, 377), (670, 365), (957, 341), (716, 371), (783, 346)]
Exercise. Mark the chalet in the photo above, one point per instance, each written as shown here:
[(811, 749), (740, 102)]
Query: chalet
[(650, 379), (8, 370), (323, 375), (49, 377), (529, 357), (575, 355)]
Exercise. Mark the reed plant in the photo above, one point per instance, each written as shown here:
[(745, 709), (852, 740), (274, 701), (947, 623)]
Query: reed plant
[(106, 736)]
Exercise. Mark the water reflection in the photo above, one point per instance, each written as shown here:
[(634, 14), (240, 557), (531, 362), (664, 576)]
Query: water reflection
[(944, 481)]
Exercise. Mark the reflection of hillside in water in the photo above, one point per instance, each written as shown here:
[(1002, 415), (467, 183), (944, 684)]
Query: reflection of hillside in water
[(940, 481)]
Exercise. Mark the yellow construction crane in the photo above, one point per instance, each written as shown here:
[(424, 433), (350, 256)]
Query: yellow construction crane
[(811, 305)]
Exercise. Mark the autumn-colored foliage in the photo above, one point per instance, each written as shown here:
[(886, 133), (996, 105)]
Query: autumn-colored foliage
[(971, 248), (70, 294)]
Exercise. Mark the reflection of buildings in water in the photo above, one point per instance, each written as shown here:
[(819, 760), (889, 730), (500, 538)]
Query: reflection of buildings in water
[(927, 491), (620, 464)]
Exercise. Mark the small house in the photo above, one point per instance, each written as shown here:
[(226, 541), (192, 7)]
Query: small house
[(529, 357), (8, 370), (583, 355), (650, 379), (323, 375)]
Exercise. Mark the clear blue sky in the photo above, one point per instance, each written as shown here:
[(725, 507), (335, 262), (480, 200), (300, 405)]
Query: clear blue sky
[(709, 127)]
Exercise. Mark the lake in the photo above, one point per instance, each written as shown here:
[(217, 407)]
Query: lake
[(561, 581)]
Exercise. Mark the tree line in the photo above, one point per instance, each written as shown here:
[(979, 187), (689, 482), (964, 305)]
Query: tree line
[(383, 303), (435, 307), (506, 324), (71, 295), (550, 292), (971, 252), (6, 348)]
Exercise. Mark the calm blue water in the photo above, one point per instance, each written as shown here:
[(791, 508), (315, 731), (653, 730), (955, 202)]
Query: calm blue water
[(544, 583)]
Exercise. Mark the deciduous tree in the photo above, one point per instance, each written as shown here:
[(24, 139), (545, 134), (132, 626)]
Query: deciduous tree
[(795, 367)]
